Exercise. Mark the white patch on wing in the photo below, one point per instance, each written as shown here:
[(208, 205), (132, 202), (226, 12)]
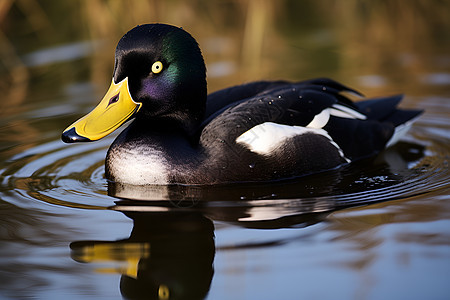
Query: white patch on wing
[(337, 110), (320, 120), (264, 138), (346, 112)]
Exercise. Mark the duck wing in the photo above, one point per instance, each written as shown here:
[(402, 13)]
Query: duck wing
[(277, 113), (219, 101)]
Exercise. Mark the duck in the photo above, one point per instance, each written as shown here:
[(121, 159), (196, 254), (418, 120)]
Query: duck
[(261, 131)]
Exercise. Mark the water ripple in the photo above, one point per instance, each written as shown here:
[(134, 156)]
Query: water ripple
[(73, 176)]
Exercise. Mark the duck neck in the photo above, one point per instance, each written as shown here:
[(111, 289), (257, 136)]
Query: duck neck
[(191, 106), (162, 132), (182, 112)]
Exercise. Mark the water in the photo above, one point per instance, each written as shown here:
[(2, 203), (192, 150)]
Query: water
[(376, 229)]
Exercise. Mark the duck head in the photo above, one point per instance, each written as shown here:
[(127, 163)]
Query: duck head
[(159, 75)]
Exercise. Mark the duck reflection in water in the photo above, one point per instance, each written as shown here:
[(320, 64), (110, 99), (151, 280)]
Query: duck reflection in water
[(168, 255), (171, 249)]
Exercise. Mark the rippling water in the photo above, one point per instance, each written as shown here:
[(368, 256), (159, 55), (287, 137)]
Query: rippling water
[(376, 229)]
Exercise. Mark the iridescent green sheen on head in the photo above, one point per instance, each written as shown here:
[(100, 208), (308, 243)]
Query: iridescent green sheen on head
[(184, 56), (177, 90)]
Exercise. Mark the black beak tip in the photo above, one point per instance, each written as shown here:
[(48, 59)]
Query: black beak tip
[(71, 136)]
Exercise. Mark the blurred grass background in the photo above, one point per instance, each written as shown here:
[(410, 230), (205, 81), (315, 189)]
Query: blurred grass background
[(360, 42)]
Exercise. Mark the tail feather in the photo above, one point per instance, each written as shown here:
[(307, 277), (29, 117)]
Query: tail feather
[(379, 108), (385, 110), (402, 116), (401, 130)]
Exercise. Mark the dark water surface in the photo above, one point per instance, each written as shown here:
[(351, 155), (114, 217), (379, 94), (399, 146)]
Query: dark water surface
[(377, 229)]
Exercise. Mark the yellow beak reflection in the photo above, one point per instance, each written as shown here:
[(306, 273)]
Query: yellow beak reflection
[(116, 107), (125, 255)]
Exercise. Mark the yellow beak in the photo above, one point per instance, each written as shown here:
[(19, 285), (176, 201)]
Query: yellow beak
[(116, 107)]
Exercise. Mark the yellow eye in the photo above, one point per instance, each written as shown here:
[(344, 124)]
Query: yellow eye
[(157, 67), (163, 292)]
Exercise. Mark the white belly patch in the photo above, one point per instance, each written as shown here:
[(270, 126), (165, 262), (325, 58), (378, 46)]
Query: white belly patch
[(138, 166)]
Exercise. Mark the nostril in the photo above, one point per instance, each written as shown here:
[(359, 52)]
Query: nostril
[(113, 99)]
